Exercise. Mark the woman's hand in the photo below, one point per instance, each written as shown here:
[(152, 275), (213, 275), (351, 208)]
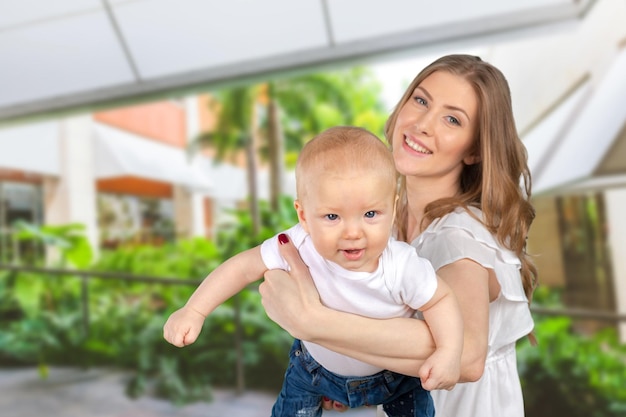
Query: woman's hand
[(328, 404), (290, 298), (292, 301)]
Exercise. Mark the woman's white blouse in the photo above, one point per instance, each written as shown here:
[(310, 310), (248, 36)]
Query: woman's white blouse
[(498, 393)]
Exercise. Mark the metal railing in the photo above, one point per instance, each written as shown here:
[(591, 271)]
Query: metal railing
[(85, 276), (580, 313), (575, 313)]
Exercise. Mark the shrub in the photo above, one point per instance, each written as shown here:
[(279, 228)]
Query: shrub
[(574, 375)]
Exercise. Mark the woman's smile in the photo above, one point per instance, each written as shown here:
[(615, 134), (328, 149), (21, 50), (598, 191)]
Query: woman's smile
[(413, 144)]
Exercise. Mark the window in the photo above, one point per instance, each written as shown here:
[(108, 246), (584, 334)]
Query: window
[(133, 219), (19, 202), (586, 257)]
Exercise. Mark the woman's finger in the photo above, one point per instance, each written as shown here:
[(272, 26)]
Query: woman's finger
[(328, 404), (288, 297), (292, 256), (339, 407)]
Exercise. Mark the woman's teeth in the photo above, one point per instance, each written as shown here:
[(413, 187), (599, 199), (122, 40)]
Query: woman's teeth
[(416, 147)]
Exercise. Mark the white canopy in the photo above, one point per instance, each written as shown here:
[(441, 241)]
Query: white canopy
[(120, 153), (31, 148), (573, 142), (82, 54)]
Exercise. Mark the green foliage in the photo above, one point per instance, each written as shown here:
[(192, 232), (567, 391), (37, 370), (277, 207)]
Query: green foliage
[(41, 314), (42, 321), (41, 317), (570, 374), (314, 102), (188, 259), (235, 236), (69, 240), (235, 123)]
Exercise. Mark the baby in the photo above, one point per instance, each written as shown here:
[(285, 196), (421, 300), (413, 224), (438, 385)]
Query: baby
[(346, 193)]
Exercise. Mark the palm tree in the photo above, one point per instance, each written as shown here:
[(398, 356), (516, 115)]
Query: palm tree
[(296, 109), (300, 107), (235, 132)]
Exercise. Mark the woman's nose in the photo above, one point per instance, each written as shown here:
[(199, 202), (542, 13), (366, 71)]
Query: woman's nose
[(424, 122)]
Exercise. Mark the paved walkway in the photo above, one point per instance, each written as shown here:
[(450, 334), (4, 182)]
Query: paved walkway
[(70, 392)]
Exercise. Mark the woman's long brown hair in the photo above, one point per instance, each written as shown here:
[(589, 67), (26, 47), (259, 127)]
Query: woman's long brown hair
[(500, 184)]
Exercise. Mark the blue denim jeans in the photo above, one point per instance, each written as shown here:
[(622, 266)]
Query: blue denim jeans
[(306, 382)]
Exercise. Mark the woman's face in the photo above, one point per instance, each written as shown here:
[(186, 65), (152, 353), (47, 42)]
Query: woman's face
[(435, 130)]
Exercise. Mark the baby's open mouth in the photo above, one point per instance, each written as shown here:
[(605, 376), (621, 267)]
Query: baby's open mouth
[(353, 254)]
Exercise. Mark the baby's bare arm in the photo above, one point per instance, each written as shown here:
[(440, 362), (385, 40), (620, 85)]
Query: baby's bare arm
[(443, 316), (184, 325)]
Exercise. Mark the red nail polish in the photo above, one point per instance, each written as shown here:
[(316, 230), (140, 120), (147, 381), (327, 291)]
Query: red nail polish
[(282, 238)]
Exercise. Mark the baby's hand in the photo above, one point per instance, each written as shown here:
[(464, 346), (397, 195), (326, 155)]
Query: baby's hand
[(183, 327), (441, 370)]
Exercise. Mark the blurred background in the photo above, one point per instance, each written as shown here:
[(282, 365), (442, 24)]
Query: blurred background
[(142, 142)]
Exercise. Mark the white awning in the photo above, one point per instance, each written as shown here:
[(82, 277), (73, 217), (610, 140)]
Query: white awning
[(542, 141), (588, 136), (119, 154), (71, 54), (32, 148), (231, 182)]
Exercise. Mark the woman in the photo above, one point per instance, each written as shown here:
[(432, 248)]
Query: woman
[(461, 206)]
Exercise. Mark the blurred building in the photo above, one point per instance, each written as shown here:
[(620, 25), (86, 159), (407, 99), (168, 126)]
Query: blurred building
[(127, 174), (565, 61), (569, 91)]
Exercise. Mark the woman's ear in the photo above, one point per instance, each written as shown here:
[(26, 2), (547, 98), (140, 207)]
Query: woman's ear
[(472, 158)]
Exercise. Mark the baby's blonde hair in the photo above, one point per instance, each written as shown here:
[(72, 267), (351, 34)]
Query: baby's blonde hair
[(344, 149)]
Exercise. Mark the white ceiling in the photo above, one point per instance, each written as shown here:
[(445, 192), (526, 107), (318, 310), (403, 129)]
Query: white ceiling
[(64, 55)]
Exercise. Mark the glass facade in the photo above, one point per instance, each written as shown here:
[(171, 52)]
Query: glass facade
[(19, 202), (134, 219)]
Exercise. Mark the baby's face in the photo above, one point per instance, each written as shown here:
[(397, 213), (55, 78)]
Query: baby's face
[(349, 217)]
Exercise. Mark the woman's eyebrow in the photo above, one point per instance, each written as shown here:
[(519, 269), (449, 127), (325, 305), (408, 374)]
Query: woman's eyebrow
[(447, 106)]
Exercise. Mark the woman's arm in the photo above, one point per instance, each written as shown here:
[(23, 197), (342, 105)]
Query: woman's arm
[(292, 301), (401, 345), (470, 283)]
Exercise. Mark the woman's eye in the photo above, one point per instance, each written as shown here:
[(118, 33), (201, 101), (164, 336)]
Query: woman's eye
[(332, 216), (454, 120), (420, 100), (370, 214)]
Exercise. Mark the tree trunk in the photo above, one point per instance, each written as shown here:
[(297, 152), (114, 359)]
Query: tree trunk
[(240, 368), (276, 152), (251, 168)]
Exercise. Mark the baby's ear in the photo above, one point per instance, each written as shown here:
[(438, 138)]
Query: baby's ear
[(301, 216)]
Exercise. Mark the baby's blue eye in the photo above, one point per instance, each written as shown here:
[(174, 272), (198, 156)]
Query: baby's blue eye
[(370, 214), (332, 216)]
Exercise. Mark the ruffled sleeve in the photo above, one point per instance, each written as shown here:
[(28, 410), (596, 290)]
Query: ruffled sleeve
[(457, 236)]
